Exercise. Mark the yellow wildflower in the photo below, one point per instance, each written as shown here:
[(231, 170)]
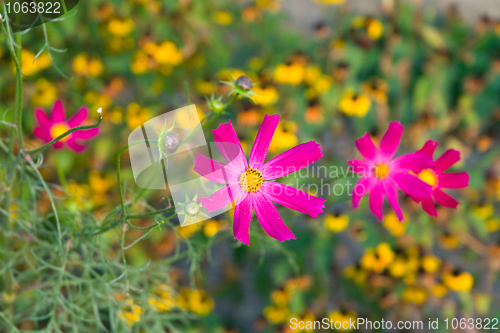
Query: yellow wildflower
[(398, 267), (331, 2), (458, 280), (392, 223), (439, 290), (188, 230), (265, 95), (195, 300), (430, 263), (377, 90), (223, 18), (211, 227), (163, 300), (96, 101), (353, 104), (483, 211), (336, 223), (136, 115), (46, 93), (448, 241), (356, 273), (374, 28), (131, 313), (276, 314), (30, 65), (377, 259), (280, 297), (120, 27), (343, 317), (83, 65), (292, 73), (284, 137), (492, 225), (414, 294)]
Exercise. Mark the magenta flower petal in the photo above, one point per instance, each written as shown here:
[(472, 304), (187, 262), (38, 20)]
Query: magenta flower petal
[(86, 134), (412, 185), (42, 134), (270, 219), (446, 160), (229, 146), (377, 201), (454, 180), (366, 147), (78, 118), (293, 198), (221, 198), (212, 170), (390, 142), (43, 119), (75, 146), (360, 166), (58, 114), (429, 207), (242, 219), (292, 160), (415, 162), (428, 148), (391, 191), (444, 199), (262, 141), (363, 186)]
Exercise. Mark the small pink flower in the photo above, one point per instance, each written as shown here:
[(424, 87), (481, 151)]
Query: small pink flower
[(438, 180), (50, 129), (383, 175), (249, 185)]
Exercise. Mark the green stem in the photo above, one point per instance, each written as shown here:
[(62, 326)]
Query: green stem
[(62, 136)]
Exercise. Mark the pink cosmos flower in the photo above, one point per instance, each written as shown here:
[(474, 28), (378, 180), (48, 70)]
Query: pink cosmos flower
[(436, 178), (50, 129), (383, 175), (249, 185)]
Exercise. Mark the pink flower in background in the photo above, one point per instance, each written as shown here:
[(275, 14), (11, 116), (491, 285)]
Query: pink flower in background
[(51, 128), (383, 175), (249, 185), (438, 180)]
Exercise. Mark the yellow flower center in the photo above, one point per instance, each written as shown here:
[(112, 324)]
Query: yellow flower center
[(381, 170), (251, 180), (429, 177), (59, 129)]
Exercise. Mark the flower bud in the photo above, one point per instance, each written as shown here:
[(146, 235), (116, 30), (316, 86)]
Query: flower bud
[(193, 208), (171, 142), (244, 83)]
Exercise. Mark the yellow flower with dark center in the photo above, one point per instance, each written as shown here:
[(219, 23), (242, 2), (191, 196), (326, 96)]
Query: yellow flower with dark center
[(483, 211), (439, 290), (292, 73), (377, 90), (265, 95), (395, 227), (46, 93), (414, 294), (352, 104), (276, 314), (120, 27), (430, 263), (211, 227), (280, 297), (336, 223), (30, 65), (141, 63), (343, 317), (458, 280), (166, 53), (131, 313), (195, 300), (448, 241), (223, 18), (284, 137), (377, 259)]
